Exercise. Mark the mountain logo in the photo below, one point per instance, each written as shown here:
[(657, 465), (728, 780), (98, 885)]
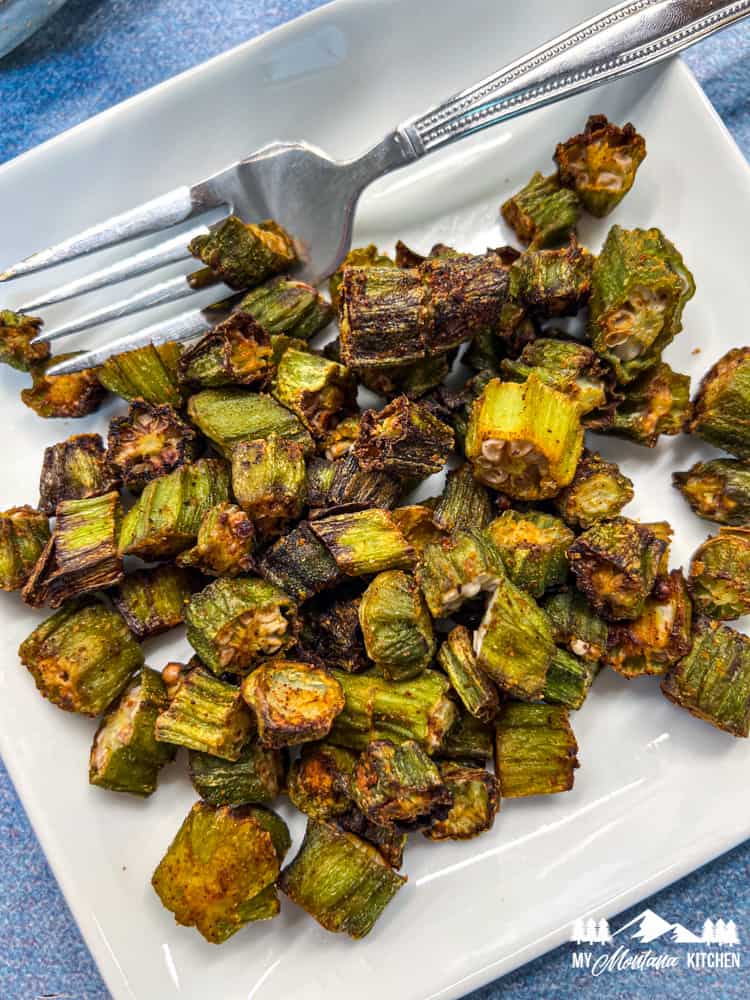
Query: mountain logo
[(648, 926)]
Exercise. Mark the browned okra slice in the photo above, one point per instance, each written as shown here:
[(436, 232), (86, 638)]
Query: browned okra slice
[(718, 490), (456, 569), (225, 543), (598, 492), (286, 306), (243, 255), (320, 392), (269, 481), (571, 368), (533, 547), (229, 415), (153, 600), (542, 214), (148, 442), (300, 564), (551, 283), (74, 395), (399, 785), (24, 532), (569, 679), (469, 741), (719, 410), (293, 702), (353, 488), (403, 439), (336, 637), (320, 781), (576, 625), (464, 502), (17, 330), (236, 351), (368, 256), (656, 403), (720, 575), (535, 750), (476, 801), (472, 685), (74, 469)]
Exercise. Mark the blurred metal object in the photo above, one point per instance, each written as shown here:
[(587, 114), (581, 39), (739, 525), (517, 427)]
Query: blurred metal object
[(19, 19)]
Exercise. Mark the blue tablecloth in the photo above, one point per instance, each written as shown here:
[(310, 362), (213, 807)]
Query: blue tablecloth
[(92, 54)]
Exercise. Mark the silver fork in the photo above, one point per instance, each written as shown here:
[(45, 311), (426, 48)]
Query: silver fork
[(314, 197)]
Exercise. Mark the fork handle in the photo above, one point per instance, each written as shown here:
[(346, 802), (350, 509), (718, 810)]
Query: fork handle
[(619, 41)]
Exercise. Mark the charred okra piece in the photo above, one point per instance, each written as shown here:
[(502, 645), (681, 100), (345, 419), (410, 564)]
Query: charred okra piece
[(24, 532), (205, 714), (219, 871), (598, 492), (243, 255), (720, 575), (148, 373), (367, 541), (125, 756), (227, 416), (472, 685), (524, 439), (233, 623), (153, 601), (542, 214), (354, 488), (456, 569), (396, 626), (269, 481), (237, 351), (476, 801), (320, 781), (389, 841), (337, 637), (300, 564), (553, 282), (399, 785), (74, 395), (225, 543), (148, 442), (615, 564), (81, 555), (600, 164), (81, 657), (341, 881), (464, 503), (257, 776), (656, 403), (535, 750), (74, 469), (368, 256), (293, 702), (719, 411), (718, 490), (568, 680), (286, 306), (16, 333), (411, 380), (317, 390), (533, 547), (576, 625), (468, 741), (639, 287), (565, 365), (339, 441), (403, 439)]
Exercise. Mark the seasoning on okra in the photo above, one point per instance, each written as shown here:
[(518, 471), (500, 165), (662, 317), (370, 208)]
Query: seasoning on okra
[(476, 801), (457, 568), (598, 492), (416, 522), (368, 256), (293, 702), (68, 396), (236, 351), (225, 543), (300, 564), (74, 469), (353, 487), (576, 625), (317, 390), (24, 533), (148, 373), (153, 600), (553, 282), (16, 333), (565, 365), (533, 547), (569, 679), (286, 306), (464, 502), (468, 741), (720, 575), (396, 626), (229, 415), (269, 481), (403, 439), (243, 255), (718, 490), (535, 750), (364, 542), (399, 785), (656, 403), (542, 214), (149, 441), (472, 685), (320, 780), (256, 777), (719, 411), (339, 440)]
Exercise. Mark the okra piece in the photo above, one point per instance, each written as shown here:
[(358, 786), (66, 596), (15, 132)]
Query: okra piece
[(411, 380), (469, 741), (205, 714), (417, 525), (524, 439), (533, 547), (81, 555), (148, 373), (319, 475), (125, 756), (300, 564), (542, 214), (286, 306), (337, 636), (321, 779), (718, 490), (269, 480), (476, 801), (234, 623), (399, 785), (24, 533), (576, 625), (639, 287), (368, 256), (615, 564), (81, 657), (67, 396), (341, 881), (568, 680), (553, 282), (219, 871), (166, 517), (227, 416), (656, 403), (354, 488), (600, 164), (225, 543), (293, 702), (514, 644), (365, 542), (403, 439), (339, 441), (317, 390), (535, 750), (148, 442), (464, 503), (74, 469), (598, 492), (396, 626), (719, 411), (153, 600), (659, 637), (713, 681), (236, 351), (389, 840), (256, 777), (472, 685), (16, 333), (456, 569), (565, 365), (720, 575), (243, 255)]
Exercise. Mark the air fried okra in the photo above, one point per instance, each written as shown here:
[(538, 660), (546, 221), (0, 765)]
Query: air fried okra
[(542, 214), (720, 575), (292, 702), (533, 547), (256, 777), (148, 373), (404, 439), (16, 333), (597, 492), (74, 469), (285, 306), (148, 442), (576, 625), (553, 282), (718, 490), (24, 532), (236, 351), (535, 750), (301, 564), (472, 685), (399, 784), (367, 541), (565, 365), (229, 415), (656, 403), (269, 481), (153, 600), (243, 255), (225, 543), (396, 626), (456, 568), (67, 396), (317, 390), (476, 801), (719, 411)]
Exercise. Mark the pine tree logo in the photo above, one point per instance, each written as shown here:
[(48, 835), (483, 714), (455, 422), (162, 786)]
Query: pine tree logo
[(648, 926), (591, 931)]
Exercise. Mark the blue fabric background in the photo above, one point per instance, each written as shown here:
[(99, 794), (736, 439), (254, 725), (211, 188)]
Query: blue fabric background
[(92, 54)]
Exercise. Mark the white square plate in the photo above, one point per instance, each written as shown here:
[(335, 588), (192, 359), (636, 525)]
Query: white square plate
[(658, 792)]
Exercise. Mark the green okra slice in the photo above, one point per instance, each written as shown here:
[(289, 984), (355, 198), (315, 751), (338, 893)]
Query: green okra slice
[(153, 600), (396, 625), (341, 881), (125, 756), (148, 373), (464, 502), (403, 439), (399, 785), (569, 679), (229, 415), (659, 636), (576, 625), (317, 390), (218, 873), (300, 564), (565, 365), (457, 568), (81, 657), (598, 492), (285, 306), (476, 801), (656, 403), (293, 702), (600, 164), (319, 474), (75, 395), (472, 685), (243, 255), (74, 469), (148, 442), (17, 330), (535, 750), (615, 564), (718, 490), (234, 623), (321, 779), (533, 547), (354, 488), (542, 214), (365, 542), (719, 410), (551, 283), (468, 741), (81, 554), (256, 777), (225, 543), (236, 351), (269, 481), (166, 518), (720, 575), (206, 714), (524, 438), (336, 636), (24, 533), (639, 287), (368, 256)]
